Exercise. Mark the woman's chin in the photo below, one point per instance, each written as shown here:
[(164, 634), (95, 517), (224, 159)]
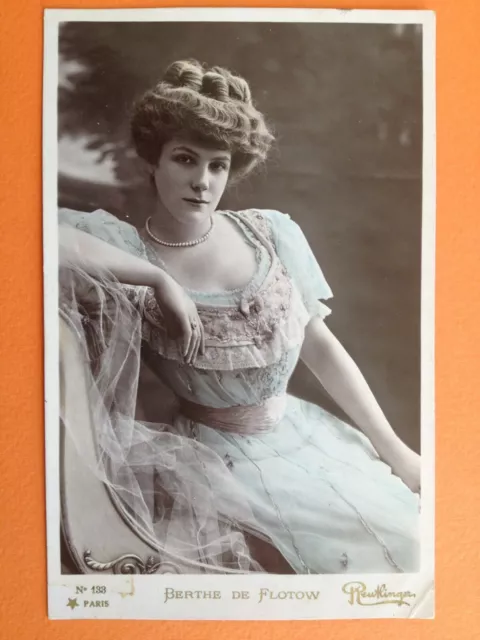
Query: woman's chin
[(195, 213)]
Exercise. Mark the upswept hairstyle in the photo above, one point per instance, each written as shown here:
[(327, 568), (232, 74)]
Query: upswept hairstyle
[(208, 106)]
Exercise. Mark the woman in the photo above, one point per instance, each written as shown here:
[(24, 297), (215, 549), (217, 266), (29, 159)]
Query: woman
[(222, 305)]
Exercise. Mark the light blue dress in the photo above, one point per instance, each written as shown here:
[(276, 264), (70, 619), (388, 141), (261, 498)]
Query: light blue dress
[(312, 485)]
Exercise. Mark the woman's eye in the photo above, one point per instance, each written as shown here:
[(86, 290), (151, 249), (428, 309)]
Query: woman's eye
[(183, 159), (218, 166)]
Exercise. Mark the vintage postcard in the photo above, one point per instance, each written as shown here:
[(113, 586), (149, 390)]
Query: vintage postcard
[(239, 218)]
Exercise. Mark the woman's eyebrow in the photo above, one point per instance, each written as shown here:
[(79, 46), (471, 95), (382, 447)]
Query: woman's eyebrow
[(182, 148), (189, 150)]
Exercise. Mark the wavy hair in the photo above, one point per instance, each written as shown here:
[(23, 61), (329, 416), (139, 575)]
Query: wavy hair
[(209, 106)]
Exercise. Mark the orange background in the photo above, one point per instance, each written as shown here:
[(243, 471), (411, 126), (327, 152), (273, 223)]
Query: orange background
[(22, 529)]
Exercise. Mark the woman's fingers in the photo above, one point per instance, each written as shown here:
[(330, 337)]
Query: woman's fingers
[(193, 347), (197, 343), (190, 328), (196, 346), (201, 341), (194, 329), (187, 337)]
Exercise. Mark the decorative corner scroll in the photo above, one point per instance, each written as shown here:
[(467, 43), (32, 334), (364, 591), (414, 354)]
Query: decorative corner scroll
[(129, 564)]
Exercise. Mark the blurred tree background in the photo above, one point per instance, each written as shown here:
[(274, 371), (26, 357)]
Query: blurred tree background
[(345, 102)]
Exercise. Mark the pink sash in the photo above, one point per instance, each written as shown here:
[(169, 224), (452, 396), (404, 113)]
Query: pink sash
[(244, 420)]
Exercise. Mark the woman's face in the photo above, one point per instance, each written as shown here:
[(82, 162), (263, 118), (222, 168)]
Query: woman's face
[(190, 179)]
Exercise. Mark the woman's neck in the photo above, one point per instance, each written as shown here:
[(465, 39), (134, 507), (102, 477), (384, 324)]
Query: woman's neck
[(166, 227)]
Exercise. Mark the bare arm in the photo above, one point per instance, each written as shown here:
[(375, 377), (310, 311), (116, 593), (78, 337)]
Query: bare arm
[(342, 379), (82, 250)]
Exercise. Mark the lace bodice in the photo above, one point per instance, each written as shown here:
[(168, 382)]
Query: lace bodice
[(253, 335)]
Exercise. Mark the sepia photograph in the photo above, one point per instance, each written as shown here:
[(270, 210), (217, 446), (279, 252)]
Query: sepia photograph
[(242, 295)]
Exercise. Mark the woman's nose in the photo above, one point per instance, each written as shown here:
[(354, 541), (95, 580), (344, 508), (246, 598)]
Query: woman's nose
[(200, 180)]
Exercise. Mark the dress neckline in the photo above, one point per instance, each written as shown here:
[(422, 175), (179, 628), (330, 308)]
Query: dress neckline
[(228, 297)]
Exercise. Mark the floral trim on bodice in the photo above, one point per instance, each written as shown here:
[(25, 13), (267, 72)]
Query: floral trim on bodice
[(267, 318), (245, 328)]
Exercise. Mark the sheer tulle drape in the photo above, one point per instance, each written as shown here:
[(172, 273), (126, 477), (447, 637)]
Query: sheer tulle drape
[(177, 491)]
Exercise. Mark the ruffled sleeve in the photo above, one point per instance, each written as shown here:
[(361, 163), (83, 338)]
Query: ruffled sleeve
[(297, 257), (90, 291), (105, 226)]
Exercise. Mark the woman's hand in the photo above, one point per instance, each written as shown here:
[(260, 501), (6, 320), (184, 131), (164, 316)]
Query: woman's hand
[(405, 464), (97, 256), (341, 378), (181, 317)]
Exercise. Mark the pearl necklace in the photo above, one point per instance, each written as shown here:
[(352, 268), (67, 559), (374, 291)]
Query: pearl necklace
[(189, 243)]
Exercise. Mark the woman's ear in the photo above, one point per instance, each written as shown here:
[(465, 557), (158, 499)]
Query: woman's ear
[(151, 176), (149, 172)]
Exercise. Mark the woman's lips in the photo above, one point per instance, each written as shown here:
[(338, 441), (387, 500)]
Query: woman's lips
[(194, 201)]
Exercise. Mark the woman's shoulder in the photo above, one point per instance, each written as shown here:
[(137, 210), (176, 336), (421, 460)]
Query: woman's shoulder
[(274, 224), (270, 222), (105, 226), (255, 213)]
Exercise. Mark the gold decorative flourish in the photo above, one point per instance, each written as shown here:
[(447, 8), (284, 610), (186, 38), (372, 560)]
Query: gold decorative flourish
[(130, 564)]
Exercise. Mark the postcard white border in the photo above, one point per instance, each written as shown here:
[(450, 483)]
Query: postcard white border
[(142, 597)]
